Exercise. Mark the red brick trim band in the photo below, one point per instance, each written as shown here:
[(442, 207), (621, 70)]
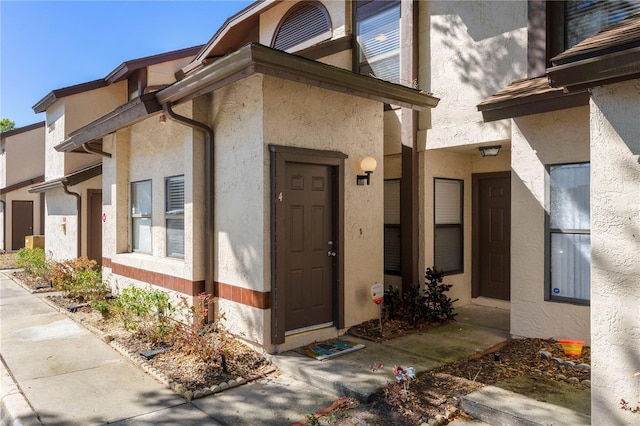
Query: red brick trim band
[(245, 296), (191, 288)]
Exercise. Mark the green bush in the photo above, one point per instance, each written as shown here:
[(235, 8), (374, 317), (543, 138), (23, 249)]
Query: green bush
[(79, 279), (34, 261), (146, 310)]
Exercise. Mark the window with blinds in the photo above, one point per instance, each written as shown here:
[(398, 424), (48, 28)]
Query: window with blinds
[(448, 238), (141, 216), (588, 17), (174, 215), (392, 242), (378, 38), (303, 26), (570, 232)]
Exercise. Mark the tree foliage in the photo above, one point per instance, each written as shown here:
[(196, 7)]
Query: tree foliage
[(6, 125)]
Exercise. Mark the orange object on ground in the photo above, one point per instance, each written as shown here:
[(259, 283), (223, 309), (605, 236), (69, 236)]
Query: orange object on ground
[(572, 347)]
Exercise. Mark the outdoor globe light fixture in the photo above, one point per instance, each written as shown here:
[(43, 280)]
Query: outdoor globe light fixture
[(368, 165), (490, 151)]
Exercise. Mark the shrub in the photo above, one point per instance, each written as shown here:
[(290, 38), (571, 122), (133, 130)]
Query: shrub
[(34, 261), (418, 306), (146, 310), (79, 279)]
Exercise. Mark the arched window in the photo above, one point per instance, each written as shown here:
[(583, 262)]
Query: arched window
[(303, 26)]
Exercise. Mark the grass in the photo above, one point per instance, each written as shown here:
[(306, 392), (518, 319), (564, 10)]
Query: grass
[(9, 261)]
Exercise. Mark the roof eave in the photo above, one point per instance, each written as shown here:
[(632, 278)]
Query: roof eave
[(23, 129), (532, 105), (255, 58), (57, 94), (70, 179), (125, 115), (596, 70)]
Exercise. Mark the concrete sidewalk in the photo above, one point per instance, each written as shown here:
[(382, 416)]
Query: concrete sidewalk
[(56, 372)]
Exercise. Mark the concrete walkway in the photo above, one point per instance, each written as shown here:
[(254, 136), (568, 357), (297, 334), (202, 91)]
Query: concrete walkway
[(56, 372)]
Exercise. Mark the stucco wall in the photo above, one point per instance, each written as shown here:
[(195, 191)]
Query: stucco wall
[(164, 73), (25, 156), (61, 220), (615, 251), (537, 141), (150, 150), (468, 51)]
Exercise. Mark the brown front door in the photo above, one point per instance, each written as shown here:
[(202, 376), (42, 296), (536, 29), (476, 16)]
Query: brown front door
[(94, 225), (492, 235), (307, 251), (21, 222), (310, 251)]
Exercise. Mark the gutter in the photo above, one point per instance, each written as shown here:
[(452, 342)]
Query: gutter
[(209, 157), (79, 207), (90, 150)]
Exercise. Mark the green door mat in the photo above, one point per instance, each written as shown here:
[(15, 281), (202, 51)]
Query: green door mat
[(330, 349)]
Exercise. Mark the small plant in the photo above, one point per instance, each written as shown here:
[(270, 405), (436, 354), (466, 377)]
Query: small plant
[(101, 306), (146, 310), (312, 420), (440, 305), (79, 279), (193, 335), (624, 405), (34, 261)]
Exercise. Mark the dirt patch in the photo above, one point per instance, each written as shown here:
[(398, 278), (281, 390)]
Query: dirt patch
[(370, 330), (186, 371), (8, 261), (435, 395), (32, 283)]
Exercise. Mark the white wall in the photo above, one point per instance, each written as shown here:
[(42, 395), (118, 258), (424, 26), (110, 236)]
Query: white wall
[(615, 251), (468, 51), (24, 156), (540, 140)]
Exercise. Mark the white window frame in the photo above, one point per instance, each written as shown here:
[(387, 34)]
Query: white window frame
[(140, 215), (580, 278)]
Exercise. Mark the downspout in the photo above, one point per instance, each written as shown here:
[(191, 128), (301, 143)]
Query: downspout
[(208, 189), (79, 207), (90, 150), (4, 225)]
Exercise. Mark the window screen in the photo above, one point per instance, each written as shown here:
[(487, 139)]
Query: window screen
[(141, 216), (569, 232), (308, 24), (378, 38), (448, 238), (588, 17), (392, 242), (174, 215)]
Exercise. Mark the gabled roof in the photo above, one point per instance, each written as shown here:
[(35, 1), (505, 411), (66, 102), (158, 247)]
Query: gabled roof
[(230, 34), (70, 179), (529, 96), (256, 58), (19, 130), (125, 115), (20, 185), (118, 74), (611, 55)]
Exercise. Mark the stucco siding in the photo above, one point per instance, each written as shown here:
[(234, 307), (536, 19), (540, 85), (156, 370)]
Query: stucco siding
[(25, 156), (615, 251), (20, 195), (240, 180), (468, 51), (538, 141), (61, 220), (307, 117)]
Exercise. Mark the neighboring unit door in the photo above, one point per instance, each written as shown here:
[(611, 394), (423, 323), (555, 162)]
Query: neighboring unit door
[(21, 222), (492, 235), (309, 249), (94, 228)]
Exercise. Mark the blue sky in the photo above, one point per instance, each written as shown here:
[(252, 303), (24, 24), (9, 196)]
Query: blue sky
[(47, 45)]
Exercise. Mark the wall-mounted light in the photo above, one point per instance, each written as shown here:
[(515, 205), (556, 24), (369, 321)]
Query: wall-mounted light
[(490, 151), (162, 119), (368, 165)]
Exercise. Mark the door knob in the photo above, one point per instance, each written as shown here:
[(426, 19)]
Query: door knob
[(331, 253)]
